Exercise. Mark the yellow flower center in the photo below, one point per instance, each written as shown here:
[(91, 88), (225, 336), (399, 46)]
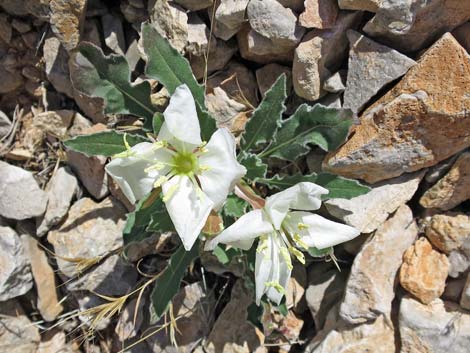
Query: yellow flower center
[(185, 163)]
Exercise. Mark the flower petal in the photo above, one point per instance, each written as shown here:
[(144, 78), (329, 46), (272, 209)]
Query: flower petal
[(130, 172), (188, 208), (302, 196), (319, 232), (181, 127), (242, 233), (224, 172)]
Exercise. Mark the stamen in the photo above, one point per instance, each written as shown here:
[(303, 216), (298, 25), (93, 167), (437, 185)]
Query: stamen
[(171, 192), (156, 166), (302, 226), (298, 254), (285, 255), (205, 168), (128, 147), (200, 194), (298, 240), (263, 244), (162, 179), (159, 144), (276, 285)]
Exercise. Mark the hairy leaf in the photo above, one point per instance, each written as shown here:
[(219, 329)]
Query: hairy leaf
[(255, 167), (105, 143), (108, 77), (235, 206), (266, 119), (319, 125)]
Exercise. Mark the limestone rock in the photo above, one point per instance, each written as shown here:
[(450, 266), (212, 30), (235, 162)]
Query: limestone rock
[(370, 287), (335, 83), (459, 260), (91, 231), (219, 56), (54, 123), (80, 125), (66, 19), (229, 17), (126, 327), (113, 32), (194, 5), (198, 36), (319, 55), (413, 25), (56, 344), (465, 299), (171, 21), (363, 5), (424, 271), (398, 133), (439, 327), (268, 74), (20, 195), (448, 232), (319, 14), (452, 189), (295, 5), (224, 109), (367, 212), (371, 66), (462, 34), (5, 125), (15, 272), (57, 70)]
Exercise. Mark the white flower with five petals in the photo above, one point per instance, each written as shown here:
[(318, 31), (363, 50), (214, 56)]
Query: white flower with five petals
[(283, 226), (195, 177)]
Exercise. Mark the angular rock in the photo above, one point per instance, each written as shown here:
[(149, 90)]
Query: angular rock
[(267, 76), (424, 271), (319, 14), (126, 327), (224, 109), (439, 327), (5, 28), (198, 36), (335, 84), (5, 125), (465, 299), (229, 17), (171, 21), (219, 56), (80, 125), (295, 5), (296, 289), (370, 287), (367, 212), (57, 70), (20, 195), (459, 260), (54, 123), (194, 5), (319, 55), (409, 32), (448, 232), (15, 271), (462, 34), (113, 33), (44, 278), (362, 5), (10, 73), (66, 19), (56, 344), (453, 188), (398, 133), (91, 231), (454, 289), (371, 66)]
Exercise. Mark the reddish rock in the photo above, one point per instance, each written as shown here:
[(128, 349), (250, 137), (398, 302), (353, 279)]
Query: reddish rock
[(319, 14)]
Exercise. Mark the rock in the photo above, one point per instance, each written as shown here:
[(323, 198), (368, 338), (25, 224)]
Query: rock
[(424, 271), (296, 289), (462, 34), (224, 109), (219, 56), (54, 123), (92, 107), (17, 333), (5, 125), (44, 278), (21, 26), (229, 17), (459, 260), (371, 66), (454, 289), (465, 299), (439, 327), (362, 5), (91, 231), (377, 337), (194, 5), (246, 338), (126, 328), (433, 18), (268, 74), (195, 307), (113, 33), (11, 75), (367, 212), (15, 272), (5, 28), (295, 5), (370, 287), (171, 21), (335, 84), (289, 327), (198, 36), (56, 344), (80, 125), (319, 14), (398, 133), (91, 31), (439, 170), (132, 13), (57, 70), (20, 195), (448, 232), (319, 55), (90, 171), (453, 188), (325, 289)]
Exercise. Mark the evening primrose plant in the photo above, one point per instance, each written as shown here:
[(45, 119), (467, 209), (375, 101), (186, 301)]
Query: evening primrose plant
[(185, 175)]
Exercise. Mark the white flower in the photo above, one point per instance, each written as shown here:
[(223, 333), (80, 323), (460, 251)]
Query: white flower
[(195, 177), (284, 227)]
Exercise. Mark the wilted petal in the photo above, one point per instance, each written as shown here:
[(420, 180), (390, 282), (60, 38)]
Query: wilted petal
[(181, 127), (188, 209), (242, 233), (319, 232), (130, 172), (224, 170), (302, 196)]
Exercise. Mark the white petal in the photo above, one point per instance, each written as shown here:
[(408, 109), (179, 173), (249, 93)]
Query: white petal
[(242, 233), (181, 127), (320, 232), (302, 196), (188, 209), (224, 172), (129, 172)]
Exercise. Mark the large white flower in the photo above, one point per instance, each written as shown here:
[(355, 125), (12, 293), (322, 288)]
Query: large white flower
[(195, 177), (284, 226)]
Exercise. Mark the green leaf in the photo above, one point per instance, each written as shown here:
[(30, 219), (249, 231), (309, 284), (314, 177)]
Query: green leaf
[(314, 252), (255, 167), (168, 284), (339, 187), (108, 77), (319, 125), (105, 143), (266, 119), (157, 122), (235, 206), (207, 123)]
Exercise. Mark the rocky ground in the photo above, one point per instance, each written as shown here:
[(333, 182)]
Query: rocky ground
[(402, 67)]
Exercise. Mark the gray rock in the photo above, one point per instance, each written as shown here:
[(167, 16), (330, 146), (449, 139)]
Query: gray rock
[(362, 5), (198, 36), (268, 74), (10, 73), (465, 298), (126, 327), (371, 284), (319, 14), (295, 5), (5, 125), (20, 195), (57, 344), (54, 123), (229, 17), (15, 271), (113, 33), (371, 66), (171, 21), (219, 55), (80, 125), (57, 70), (459, 259), (194, 5), (223, 108), (453, 290), (5, 28), (91, 231), (335, 84), (439, 327), (61, 189), (367, 212)]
